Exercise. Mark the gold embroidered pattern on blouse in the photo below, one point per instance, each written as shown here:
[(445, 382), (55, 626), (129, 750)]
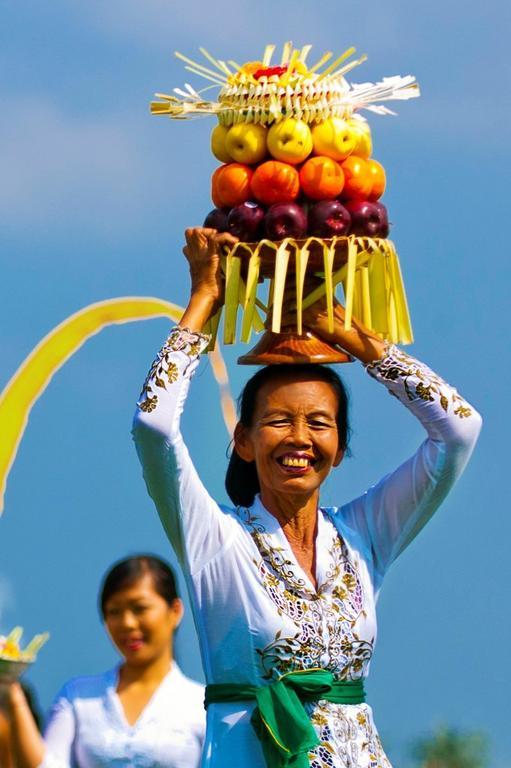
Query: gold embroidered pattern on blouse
[(163, 370), (325, 619), (427, 386)]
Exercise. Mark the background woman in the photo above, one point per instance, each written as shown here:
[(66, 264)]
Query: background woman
[(144, 712), (284, 591)]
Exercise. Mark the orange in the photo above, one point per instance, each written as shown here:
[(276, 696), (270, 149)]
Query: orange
[(378, 177), (321, 178), (275, 182), (358, 179), (230, 185), (214, 195)]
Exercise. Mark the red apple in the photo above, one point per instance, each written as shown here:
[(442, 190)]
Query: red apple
[(329, 218), (245, 221), (368, 219), (285, 220), (217, 219)]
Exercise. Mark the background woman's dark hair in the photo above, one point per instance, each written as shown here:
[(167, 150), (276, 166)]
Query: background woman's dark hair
[(126, 572), (241, 481)]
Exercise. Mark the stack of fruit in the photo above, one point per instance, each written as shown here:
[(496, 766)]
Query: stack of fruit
[(297, 180), (298, 186)]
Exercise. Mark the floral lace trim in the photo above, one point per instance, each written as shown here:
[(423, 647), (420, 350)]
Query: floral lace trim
[(419, 381), (325, 621), (164, 370)]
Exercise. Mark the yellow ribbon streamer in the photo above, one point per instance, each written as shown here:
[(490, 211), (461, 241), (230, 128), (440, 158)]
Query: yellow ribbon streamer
[(38, 369)]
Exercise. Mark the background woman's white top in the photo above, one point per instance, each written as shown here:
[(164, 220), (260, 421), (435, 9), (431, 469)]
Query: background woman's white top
[(87, 727), (257, 614)]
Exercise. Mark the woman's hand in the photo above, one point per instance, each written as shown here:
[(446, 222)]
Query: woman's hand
[(359, 341), (203, 251)]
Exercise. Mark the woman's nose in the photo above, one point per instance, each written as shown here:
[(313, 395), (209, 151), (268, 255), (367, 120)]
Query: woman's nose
[(300, 433), (128, 620)]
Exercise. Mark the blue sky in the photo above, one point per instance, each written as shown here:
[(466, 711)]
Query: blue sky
[(94, 196)]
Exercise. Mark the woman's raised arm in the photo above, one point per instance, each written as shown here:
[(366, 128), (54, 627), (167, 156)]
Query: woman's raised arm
[(391, 513), (196, 527)]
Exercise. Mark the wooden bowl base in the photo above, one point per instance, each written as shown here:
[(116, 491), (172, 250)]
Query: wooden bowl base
[(289, 347)]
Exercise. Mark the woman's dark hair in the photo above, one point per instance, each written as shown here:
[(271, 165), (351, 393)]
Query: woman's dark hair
[(241, 480), (126, 572)]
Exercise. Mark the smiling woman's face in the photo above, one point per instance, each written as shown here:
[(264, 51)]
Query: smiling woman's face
[(293, 438), (140, 622)]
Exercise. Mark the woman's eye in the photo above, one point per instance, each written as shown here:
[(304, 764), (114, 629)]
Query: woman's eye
[(317, 424), (278, 422)]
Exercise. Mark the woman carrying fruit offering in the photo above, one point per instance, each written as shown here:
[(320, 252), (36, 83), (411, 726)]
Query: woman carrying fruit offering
[(283, 589), (144, 712)]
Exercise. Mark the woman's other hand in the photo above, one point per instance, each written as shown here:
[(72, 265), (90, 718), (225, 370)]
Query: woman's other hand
[(203, 251), (359, 341)]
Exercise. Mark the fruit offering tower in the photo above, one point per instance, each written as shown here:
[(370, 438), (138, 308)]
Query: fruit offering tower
[(299, 188)]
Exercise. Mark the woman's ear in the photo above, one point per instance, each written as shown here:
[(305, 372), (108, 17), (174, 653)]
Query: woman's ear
[(178, 610), (339, 456), (243, 443)]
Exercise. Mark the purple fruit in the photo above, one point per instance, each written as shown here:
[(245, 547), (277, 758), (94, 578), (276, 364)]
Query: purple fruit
[(285, 220), (329, 218), (217, 219), (245, 221), (368, 219)]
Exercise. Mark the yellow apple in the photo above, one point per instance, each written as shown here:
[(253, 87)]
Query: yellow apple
[(290, 141), (218, 147), (334, 138), (364, 146), (246, 142)]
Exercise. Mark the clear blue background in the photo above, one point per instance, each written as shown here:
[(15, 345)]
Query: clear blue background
[(94, 195)]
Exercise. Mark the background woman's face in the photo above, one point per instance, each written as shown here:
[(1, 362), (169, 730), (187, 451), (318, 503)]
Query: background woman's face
[(293, 438), (140, 622)]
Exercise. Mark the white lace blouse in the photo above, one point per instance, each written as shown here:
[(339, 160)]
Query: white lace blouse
[(257, 614), (87, 727)]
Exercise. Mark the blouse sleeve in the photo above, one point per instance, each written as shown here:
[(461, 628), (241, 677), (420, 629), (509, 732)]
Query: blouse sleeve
[(392, 512), (193, 522), (59, 734)]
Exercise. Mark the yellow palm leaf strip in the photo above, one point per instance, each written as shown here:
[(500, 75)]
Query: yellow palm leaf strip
[(366, 297), (254, 266), (350, 281), (328, 264), (163, 107), (214, 77), (14, 636), (337, 62), (323, 60), (338, 277), (304, 53), (36, 644), (268, 53), (301, 258), (392, 313), (212, 329), (232, 282), (292, 64), (281, 262), (200, 68), (286, 53), (377, 290), (234, 65), (403, 315), (221, 65), (348, 67), (226, 400), (357, 296)]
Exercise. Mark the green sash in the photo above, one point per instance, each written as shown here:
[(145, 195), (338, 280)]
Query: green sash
[(279, 719)]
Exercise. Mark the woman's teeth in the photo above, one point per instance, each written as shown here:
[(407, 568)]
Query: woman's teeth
[(291, 461)]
